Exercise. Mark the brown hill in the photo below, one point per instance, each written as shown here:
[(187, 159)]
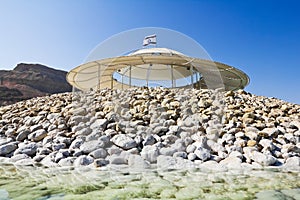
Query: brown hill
[(31, 80)]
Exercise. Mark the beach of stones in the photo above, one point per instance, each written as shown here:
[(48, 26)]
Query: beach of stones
[(144, 128)]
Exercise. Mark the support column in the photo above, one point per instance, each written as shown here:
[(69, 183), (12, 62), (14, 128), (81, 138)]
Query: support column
[(172, 76), (129, 76), (112, 82), (197, 80), (148, 74), (192, 78), (98, 77), (122, 79)]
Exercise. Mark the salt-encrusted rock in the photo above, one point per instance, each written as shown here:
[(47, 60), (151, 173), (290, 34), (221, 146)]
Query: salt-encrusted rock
[(267, 144), (8, 148), (190, 148), (160, 130), (231, 162), (293, 162), (124, 141), (212, 166), (117, 160), (191, 156), (212, 133), (99, 153), (43, 151), (137, 162), (76, 143), (236, 154), (25, 162), (37, 135), (202, 153), (48, 161), (64, 162), (88, 147), (271, 194), (180, 154), (84, 131), (166, 162), (270, 131), (57, 146), (28, 149), (150, 153), (167, 151), (83, 160), (99, 124), (263, 159), (19, 157)]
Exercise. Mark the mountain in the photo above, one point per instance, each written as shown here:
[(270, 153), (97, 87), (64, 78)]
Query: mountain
[(26, 81)]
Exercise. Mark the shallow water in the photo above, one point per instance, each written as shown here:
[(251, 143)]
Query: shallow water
[(123, 183)]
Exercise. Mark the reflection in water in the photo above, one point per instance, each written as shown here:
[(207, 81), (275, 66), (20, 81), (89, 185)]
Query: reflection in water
[(123, 183)]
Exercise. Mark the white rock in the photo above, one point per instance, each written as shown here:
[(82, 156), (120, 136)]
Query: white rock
[(124, 141), (265, 160), (137, 162), (36, 127), (84, 131), (117, 160), (99, 124), (83, 160), (202, 153), (66, 161), (167, 151), (88, 147), (98, 153), (38, 135), (292, 162), (28, 149), (18, 157), (231, 162), (150, 153)]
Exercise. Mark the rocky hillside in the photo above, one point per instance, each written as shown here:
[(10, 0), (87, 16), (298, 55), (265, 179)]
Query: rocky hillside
[(30, 80), (141, 127)]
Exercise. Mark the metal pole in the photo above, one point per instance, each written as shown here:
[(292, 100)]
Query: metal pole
[(122, 79), (112, 82), (148, 74), (192, 78), (98, 76), (172, 75), (130, 76), (197, 81)]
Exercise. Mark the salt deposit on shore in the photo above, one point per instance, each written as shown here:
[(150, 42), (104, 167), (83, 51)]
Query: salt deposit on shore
[(144, 128)]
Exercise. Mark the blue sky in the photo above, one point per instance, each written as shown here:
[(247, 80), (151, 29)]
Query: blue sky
[(260, 37)]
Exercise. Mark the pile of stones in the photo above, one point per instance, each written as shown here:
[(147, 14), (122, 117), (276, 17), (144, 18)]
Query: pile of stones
[(152, 127)]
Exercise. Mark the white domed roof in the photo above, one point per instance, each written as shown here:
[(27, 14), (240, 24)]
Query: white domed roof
[(155, 51)]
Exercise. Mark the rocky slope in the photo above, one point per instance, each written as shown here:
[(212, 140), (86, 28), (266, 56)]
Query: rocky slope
[(142, 128), (30, 80)]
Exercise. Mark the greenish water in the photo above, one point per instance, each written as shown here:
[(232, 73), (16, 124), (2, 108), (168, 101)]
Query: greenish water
[(85, 183)]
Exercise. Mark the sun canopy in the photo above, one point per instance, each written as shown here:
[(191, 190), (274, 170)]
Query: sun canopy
[(156, 65)]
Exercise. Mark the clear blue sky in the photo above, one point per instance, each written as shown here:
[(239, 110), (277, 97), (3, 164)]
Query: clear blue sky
[(261, 37)]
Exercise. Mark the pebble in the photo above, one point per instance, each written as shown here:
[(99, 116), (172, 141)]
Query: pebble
[(124, 141), (37, 135), (83, 160), (202, 153)]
